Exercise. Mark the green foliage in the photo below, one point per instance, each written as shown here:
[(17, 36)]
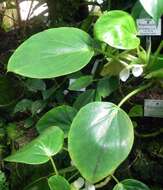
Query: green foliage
[(130, 184), (41, 149), (61, 116), (153, 8), (107, 135), (107, 85), (58, 183), (23, 105), (136, 111), (117, 28), (34, 85), (80, 83), (95, 136), (50, 51), (3, 183), (85, 98)]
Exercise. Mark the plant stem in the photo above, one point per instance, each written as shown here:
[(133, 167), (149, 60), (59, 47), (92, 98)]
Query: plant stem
[(115, 179), (158, 51), (159, 48), (103, 183), (54, 166), (74, 175), (154, 134), (141, 88)]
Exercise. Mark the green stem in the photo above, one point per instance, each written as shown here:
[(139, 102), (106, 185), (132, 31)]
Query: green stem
[(141, 88), (68, 169), (74, 175), (154, 134), (103, 183), (115, 179), (62, 171), (158, 51), (54, 166)]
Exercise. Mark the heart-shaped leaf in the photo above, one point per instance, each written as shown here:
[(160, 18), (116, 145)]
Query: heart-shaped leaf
[(58, 183), (118, 29), (131, 184), (41, 149), (61, 116), (52, 53), (153, 7), (100, 139)]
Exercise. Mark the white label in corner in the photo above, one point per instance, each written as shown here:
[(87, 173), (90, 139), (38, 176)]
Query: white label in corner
[(148, 27), (153, 108)]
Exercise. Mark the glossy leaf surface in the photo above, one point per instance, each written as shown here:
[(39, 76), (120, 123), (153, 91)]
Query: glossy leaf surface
[(81, 82), (100, 138), (39, 150), (118, 29), (61, 116), (131, 184), (153, 7), (58, 183), (52, 53)]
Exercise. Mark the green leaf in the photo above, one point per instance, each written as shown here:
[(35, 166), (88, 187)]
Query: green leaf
[(23, 106), (52, 53), (61, 116), (34, 85), (80, 83), (131, 184), (155, 74), (39, 150), (138, 11), (85, 98), (113, 68), (155, 68), (37, 107), (118, 29), (136, 111), (153, 7), (107, 138), (58, 183), (107, 85)]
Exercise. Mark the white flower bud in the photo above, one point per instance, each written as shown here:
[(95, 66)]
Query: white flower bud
[(78, 183), (137, 70), (100, 1), (89, 186), (124, 74)]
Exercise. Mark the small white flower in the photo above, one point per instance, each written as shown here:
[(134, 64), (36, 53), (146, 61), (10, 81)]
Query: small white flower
[(100, 1), (124, 74), (89, 186), (137, 70), (78, 183), (65, 92)]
